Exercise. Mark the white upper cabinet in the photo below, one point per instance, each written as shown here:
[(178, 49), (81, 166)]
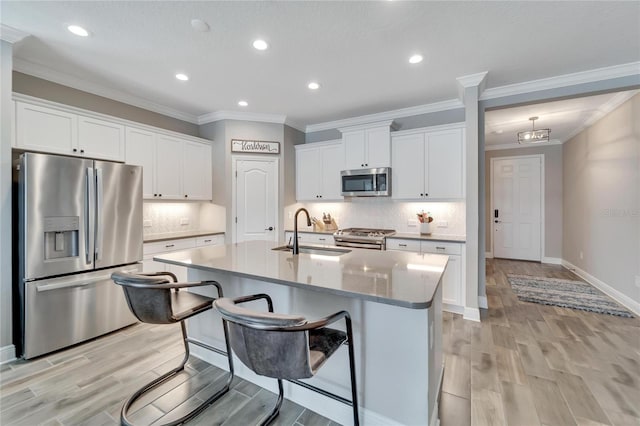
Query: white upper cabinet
[(367, 146), (100, 139), (45, 129), (318, 168), (428, 164), (141, 151), (41, 128), (197, 180), (169, 166)]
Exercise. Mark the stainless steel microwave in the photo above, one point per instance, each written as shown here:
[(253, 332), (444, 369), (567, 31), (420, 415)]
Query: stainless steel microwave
[(366, 182)]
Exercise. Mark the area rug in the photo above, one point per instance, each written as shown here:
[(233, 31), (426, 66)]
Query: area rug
[(566, 294)]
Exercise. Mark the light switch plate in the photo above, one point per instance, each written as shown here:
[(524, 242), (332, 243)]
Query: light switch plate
[(184, 221), (412, 223), (443, 224), (146, 223), (638, 281)]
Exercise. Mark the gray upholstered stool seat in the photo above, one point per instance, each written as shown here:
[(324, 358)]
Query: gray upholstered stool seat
[(154, 299), (286, 347)]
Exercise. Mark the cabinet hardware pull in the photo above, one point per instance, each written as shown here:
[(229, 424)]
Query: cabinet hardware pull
[(422, 195), (185, 195), (75, 150), (440, 248), (322, 239), (207, 241), (169, 245), (155, 195), (402, 245)]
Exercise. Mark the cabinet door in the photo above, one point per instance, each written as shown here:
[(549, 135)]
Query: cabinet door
[(46, 129), (378, 147), (444, 171), (140, 150), (354, 149), (100, 139), (452, 282), (197, 182), (403, 245), (308, 174), (408, 166), (169, 168), (332, 165)]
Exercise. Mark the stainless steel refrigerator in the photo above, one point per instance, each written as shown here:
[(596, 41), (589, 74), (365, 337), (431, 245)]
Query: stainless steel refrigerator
[(78, 221)]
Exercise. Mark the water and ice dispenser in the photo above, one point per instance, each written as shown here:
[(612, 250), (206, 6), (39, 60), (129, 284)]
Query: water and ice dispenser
[(61, 237)]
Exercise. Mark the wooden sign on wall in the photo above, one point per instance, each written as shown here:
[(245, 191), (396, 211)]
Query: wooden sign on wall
[(255, 147)]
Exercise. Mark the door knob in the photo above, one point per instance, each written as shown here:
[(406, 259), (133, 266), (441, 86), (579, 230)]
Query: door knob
[(269, 228), (496, 221)]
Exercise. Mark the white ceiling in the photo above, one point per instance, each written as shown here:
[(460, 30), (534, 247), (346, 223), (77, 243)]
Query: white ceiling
[(565, 118), (358, 51)]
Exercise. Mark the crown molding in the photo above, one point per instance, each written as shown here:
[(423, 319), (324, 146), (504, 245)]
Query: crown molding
[(385, 123), (241, 115), (519, 145), (11, 35), (386, 115), (606, 73), (472, 80), (603, 110), (44, 72)]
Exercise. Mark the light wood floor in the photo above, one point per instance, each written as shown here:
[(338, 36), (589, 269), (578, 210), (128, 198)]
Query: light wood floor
[(529, 364), (524, 364)]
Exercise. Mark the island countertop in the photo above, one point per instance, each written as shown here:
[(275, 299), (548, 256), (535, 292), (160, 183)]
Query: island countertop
[(391, 277)]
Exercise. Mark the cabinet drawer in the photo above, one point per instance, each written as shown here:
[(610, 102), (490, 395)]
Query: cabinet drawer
[(209, 240), (167, 246), (440, 247), (403, 245)]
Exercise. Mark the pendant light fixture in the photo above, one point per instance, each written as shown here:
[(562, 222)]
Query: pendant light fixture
[(534, 135)]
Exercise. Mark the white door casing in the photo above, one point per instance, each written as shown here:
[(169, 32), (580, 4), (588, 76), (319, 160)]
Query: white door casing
[(255, 198), (516, 194)]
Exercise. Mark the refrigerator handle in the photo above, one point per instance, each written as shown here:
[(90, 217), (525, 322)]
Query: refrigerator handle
[(99, 226), (87, 215)]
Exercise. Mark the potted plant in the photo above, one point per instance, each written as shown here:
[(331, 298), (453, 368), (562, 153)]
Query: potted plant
[(425, 222)]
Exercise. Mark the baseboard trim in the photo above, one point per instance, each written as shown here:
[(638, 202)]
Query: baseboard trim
[(619, 297), (552, 260), (471, 314), (488, 255), (482, 302), (7, 354), (454, 309)]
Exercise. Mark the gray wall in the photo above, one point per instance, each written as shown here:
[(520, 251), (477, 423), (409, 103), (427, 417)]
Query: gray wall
[(6, 62), (403, 123), (602, 199), (39, 88), (552, 194)]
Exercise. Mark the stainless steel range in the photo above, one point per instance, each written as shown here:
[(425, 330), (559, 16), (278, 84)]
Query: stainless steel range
[(362, 237)]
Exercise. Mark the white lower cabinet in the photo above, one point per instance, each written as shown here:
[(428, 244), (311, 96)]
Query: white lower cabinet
[(162, 247), (309, 238), (453, 278)]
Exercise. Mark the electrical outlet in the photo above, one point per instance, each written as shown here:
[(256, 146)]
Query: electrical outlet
[(412, 223), (443, 224), (184, 221), (581, 255), (146, 223)]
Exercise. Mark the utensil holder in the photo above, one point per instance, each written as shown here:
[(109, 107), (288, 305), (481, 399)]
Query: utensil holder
[(425, 228)]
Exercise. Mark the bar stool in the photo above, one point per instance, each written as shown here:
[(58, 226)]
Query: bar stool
[(286, 347), (153, 299)]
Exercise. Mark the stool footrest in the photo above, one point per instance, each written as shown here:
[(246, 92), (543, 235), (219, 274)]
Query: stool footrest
[(323, 392), (206, 346)]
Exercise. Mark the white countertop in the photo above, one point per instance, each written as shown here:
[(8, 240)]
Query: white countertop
[(391, 277)]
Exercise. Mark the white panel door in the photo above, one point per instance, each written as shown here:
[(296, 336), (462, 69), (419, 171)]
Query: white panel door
[(140, 151), (444, 165), (516, 196), (169, 163), (378, 147), (46, 129), (354, 149), (100, 139), (308, 170), (256, 199), (408, 166), (197, 184), (332, 165)]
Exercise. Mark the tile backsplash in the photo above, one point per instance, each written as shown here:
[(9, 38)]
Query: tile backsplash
[(179, 217), (385, 213)]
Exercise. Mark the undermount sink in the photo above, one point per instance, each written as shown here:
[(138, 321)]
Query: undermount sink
[(325, 251)]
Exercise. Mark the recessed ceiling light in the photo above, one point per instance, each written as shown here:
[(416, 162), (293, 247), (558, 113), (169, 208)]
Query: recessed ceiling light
[(415, 59), (199, 25), (243, 103), (260, 44), (78, 30), (182, 77), (313, 85)]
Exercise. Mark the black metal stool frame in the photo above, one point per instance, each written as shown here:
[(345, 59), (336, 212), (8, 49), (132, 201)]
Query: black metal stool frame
[(322, 322), (186, 340)]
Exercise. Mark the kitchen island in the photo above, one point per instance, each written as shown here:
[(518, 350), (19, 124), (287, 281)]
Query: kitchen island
[(394, 299)]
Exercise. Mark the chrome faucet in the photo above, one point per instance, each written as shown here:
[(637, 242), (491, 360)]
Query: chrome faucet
[(296, 249)]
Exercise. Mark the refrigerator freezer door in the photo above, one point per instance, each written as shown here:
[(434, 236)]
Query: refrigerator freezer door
[(67, 310), (56, 218), (118, 237)]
